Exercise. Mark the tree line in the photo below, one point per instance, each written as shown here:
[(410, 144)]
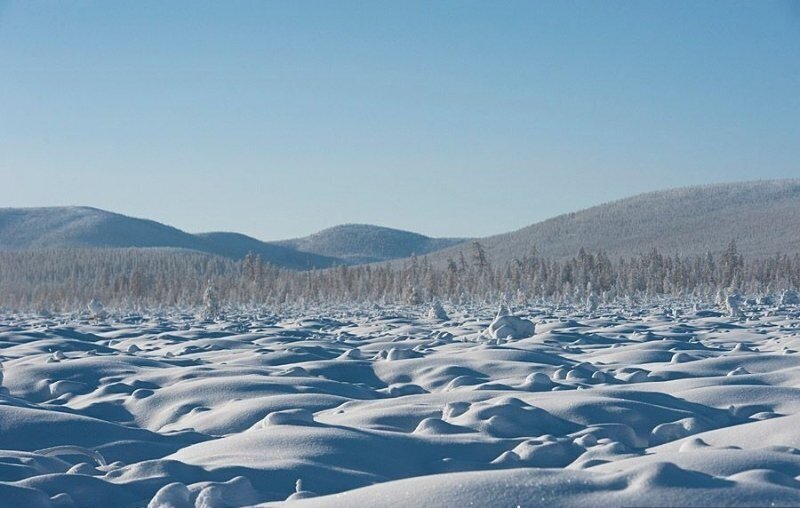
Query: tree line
[(66, 279)]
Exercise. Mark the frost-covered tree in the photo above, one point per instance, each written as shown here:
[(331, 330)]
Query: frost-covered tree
[(591, 302), (479, 259), (732, 304), (147, 278), (211, 306)]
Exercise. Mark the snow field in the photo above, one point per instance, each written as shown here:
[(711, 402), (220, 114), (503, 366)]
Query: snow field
[(403, 406)]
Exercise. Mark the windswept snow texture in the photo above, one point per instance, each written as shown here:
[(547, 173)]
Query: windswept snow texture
[(636, 406)]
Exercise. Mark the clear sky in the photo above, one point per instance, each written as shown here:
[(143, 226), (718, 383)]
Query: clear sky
[(462, 118)]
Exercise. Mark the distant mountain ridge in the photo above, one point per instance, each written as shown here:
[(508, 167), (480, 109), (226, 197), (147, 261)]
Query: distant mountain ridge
[(363, 243), (86, 227), (763, 217)]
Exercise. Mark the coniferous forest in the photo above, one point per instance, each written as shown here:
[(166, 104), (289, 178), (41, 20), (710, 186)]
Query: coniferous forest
[(147, 278)]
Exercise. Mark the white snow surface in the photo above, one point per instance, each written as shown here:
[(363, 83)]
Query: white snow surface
[(648, 405)]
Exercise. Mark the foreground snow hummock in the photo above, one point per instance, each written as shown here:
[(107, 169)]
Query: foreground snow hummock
[(596, 406), (507, 326)]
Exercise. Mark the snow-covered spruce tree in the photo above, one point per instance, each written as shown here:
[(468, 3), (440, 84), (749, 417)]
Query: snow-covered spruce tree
[(521, 298), (413, 296), (720, 300), (591, 302), (211, 306), (732, 304)]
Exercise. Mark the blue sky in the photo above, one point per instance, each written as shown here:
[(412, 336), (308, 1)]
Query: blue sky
[(461, 118)]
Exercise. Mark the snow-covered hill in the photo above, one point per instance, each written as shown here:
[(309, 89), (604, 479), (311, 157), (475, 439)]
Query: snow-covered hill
[(236, 246), (363, 243), (763, 217), (85, 227), (32, 228)]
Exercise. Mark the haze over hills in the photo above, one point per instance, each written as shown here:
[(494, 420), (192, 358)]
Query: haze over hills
[(85, 227), (763, 217), (363, 243)]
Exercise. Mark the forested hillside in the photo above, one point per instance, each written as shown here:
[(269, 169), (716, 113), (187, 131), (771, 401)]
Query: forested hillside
[(763, 217)]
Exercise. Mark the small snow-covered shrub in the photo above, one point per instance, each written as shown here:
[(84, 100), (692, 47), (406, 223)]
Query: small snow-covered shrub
[(96, 309), (437, 311)]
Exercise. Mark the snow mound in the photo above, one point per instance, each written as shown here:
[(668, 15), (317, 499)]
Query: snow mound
[(507, 326)]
